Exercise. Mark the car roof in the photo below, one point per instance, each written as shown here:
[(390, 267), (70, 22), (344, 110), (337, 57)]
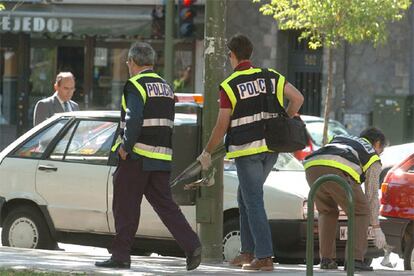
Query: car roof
[(395, 154), (310, 118), (180, 119), (92, 114), (113, 114)]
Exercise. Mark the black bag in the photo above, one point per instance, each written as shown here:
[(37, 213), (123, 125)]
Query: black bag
[(282, 134)]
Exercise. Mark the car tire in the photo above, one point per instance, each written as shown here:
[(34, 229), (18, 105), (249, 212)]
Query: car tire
[(25, 227), (231, 238), (408, 252)]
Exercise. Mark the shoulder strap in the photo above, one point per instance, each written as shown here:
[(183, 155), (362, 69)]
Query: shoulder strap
[(270, 97)]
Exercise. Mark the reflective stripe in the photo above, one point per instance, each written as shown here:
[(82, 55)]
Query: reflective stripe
[(230, 94), (141, 89), (154, 152), (150, 75), (343, 146), (123, 103), (253, 118), (158, 122), (337, 162), (370, 161), (247, 149), (116, 145), (228, 90), (280, 87), (122, 124)]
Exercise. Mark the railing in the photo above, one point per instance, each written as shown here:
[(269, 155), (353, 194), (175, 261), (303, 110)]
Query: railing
[(310, 224)]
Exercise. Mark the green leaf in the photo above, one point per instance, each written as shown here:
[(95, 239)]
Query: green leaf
[(328, 22)]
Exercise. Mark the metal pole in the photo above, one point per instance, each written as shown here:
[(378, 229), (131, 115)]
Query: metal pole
[(309, 240), (209, 205), (169, 42)]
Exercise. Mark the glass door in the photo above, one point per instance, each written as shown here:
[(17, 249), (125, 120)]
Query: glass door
[(42, 76), (8, 95), (109, 76)]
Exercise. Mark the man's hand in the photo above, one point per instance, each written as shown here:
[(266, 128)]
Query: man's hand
[(205, 160), (122, 153), (380, 240)]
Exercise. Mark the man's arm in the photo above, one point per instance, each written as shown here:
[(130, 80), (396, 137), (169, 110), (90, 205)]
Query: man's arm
[(295, 99), (220, 129), (133, 118), (40, 113), (371, 192)]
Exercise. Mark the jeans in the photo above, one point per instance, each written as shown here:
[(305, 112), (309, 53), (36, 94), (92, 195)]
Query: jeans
[(255, 233)]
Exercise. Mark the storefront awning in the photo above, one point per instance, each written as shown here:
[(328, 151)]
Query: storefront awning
[(111, 21)]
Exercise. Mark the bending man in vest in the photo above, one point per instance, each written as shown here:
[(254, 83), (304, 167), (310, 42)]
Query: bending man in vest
[(145, 151), (356, 160), (243, 108)]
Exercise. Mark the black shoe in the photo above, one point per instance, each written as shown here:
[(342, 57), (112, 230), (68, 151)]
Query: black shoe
[(194, 259), (361, 266), (113, 264), (327, 263)]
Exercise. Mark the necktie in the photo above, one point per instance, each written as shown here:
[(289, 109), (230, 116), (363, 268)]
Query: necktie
[(66, 107)]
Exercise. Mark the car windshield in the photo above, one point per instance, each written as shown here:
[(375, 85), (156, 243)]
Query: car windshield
[(285, 162), (315, 130)]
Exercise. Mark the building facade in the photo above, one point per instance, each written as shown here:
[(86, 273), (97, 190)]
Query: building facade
[(91, 39), (39, 38)]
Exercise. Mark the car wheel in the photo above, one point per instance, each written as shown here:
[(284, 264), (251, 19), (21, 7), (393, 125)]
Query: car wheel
[(25, 227), (231, 239), (409, 253)]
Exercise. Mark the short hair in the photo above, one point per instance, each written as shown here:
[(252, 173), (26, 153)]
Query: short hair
[(142, 54), (63, 75), (373, 135), (241, 46)]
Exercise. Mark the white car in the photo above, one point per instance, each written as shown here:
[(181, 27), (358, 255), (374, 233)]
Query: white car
[(56, 185), (394, 155)]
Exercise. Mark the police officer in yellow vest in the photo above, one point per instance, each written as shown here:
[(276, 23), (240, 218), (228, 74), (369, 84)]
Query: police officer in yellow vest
[(145, 151), (243, 109), (356, 160)]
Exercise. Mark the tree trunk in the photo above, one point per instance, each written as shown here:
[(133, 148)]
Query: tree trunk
[(328, 97)]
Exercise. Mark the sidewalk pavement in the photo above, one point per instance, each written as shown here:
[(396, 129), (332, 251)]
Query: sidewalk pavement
[(83, 263)]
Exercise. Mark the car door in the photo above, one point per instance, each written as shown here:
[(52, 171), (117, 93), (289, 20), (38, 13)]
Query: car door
[(18, 169), (150, 224), (73, 178)]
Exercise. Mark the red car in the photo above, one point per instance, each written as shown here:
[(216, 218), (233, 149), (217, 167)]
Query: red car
[(314, 127), (397, 208)]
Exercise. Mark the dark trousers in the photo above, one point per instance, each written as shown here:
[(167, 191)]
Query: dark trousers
[(327, 199), (130, 184)]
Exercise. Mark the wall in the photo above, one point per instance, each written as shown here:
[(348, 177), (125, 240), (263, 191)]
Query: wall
[(361, 72), (244, 17)]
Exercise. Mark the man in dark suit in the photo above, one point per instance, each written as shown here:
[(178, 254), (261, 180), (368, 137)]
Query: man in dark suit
[(60, 101)]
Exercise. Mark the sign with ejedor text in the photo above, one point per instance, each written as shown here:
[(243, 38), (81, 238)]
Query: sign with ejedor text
[(36, 24)]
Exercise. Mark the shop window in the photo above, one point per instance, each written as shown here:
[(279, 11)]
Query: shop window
[(109, 75), (42, 75), (8, 95)]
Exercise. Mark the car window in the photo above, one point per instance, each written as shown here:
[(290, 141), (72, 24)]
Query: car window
[(315, 130), (60, 148), (36, 146), (91, 143), (285, 162)]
